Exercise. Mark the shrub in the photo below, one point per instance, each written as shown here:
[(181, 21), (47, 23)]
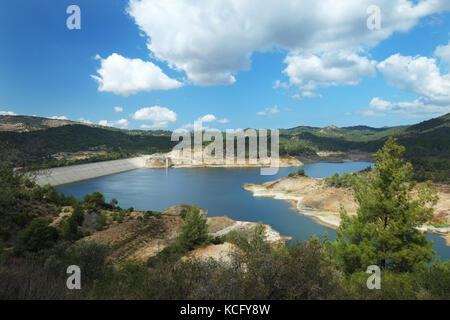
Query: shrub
[(78, 214), (90, 256), (95, 201), (101, 222), (113, 202), (195, 230), (168, 256), (38, 235), (300, 173)]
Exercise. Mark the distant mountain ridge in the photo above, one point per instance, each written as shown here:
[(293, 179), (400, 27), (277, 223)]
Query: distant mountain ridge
[(38, 139), (31, 123)]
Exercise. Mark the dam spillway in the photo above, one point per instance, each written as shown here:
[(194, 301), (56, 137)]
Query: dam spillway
[(79, 172)]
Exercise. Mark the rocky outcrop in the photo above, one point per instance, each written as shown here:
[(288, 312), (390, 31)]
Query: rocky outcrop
[(144, 234), (220, 226), (182, 210), (222, 253), (312, 197), (176, 159)]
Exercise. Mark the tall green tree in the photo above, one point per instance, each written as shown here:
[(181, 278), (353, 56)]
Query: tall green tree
[(384, 231), (195, 230)]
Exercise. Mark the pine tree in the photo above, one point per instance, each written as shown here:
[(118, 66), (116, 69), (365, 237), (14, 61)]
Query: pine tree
[(195, 230), (384, 232)]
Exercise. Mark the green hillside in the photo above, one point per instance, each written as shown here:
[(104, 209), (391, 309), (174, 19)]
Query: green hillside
[(39, 146), (427, 143)]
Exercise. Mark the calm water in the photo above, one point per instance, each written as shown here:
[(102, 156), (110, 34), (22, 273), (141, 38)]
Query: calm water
[(219, 190)]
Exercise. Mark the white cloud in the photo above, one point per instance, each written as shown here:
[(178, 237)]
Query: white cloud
[(125, 76), (208, 118), (372, 113), (7, 113), (269, 111), (311, 94), (224, 120), (205, 119), (118, 109), (159, 116), (416, 108), (122, 123), (83, 120), (280, 84), (417, 75), (58, 117), (309, 72), (443, 52), (211, 41)]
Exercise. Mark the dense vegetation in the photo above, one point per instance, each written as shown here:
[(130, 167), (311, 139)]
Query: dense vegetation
[(384, 231), (346, 180), (37, 147), (34, 254), (427, 143)]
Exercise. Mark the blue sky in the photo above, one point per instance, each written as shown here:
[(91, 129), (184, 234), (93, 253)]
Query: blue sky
[(237, 64)]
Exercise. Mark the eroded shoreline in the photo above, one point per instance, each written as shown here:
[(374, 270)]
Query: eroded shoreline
[(312, 198)]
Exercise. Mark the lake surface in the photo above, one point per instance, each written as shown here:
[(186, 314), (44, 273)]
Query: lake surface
[(219, 190)]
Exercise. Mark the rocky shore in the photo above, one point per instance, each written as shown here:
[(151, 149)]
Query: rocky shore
[(312, 197), (176, 159)]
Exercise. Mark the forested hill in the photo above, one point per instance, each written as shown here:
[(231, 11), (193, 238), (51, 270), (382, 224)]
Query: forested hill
[(38, 140), (28, 123), (428, 138), (40, 146), (427, 143)]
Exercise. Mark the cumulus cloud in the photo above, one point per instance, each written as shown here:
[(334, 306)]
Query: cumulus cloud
[(416, 108), (310, 72), (122, 123), (83, 120), (418, 75), (159, 116), (443, 52), (211, 41), (208, 118), (7, 113), (125, 76), (269, 111), (58, 117), (118, 109)]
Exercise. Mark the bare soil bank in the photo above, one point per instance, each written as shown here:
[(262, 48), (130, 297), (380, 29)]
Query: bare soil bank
[(312, 197), (141, 236)]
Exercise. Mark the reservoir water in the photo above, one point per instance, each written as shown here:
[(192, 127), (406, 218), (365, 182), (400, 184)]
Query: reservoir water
[(219, 190)]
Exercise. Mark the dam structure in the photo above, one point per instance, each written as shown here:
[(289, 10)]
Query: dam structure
[(79, 172)]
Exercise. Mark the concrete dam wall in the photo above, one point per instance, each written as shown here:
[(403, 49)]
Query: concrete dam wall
[(69, 174)]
